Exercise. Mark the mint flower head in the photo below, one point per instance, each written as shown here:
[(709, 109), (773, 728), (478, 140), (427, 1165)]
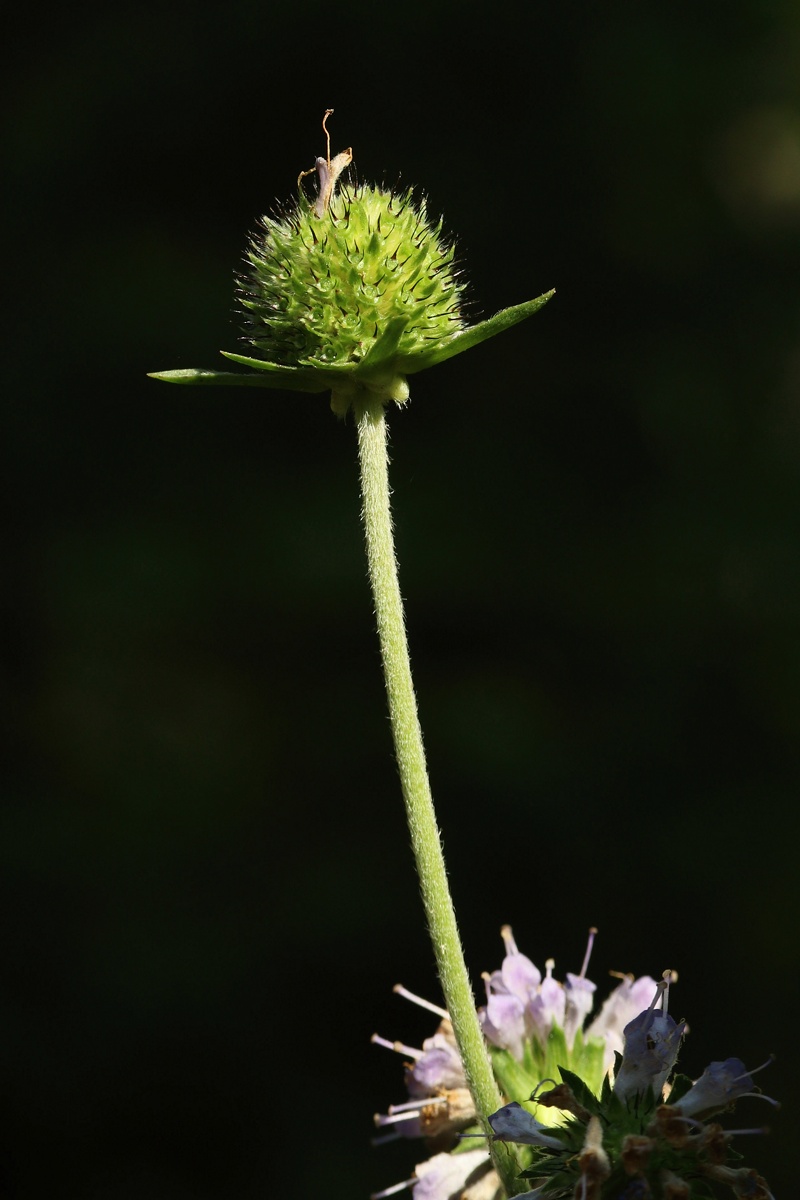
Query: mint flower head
[(595, 1109), (535, 1024), (350, 292), (645, 1133)]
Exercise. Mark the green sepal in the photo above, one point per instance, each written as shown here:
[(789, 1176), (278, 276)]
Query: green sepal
[(472, 336), (384, 349), (607, 1091), (556, 1052), (680, 1086), (588, 1060), (562, 1183), (582, 1093)]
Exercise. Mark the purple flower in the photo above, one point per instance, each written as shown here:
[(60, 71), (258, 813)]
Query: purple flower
[(652, 1041), (625, 1002), (520, 1004), (513, 1123), (503, 1022), (742, 1181), (438, 1066), (548, 1006), (509, 992), (447, 1175), (439, 1100), (580, 996), (660, 1154), (718, 1087)]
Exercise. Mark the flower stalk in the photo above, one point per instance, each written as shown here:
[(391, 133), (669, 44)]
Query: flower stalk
[(351, 295), (407, 733)]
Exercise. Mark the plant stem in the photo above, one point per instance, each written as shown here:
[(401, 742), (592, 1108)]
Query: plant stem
[(425, 837)]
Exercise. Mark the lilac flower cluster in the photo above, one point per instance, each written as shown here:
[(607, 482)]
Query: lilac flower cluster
[(439, 1100), (619, 1126), (523, 1008), (439, 1108)]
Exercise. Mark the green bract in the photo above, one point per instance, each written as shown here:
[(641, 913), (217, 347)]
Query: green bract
[(350, 294)]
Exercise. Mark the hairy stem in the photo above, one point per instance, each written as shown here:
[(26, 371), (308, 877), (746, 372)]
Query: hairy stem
[(425, 837)]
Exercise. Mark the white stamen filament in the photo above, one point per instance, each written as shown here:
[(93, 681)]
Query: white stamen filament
[(588, 954), (393, 1190), (759, 1096), (434, 1008), (755, 1070), (385, 1138), (508, 938), (745, 1132), (662, 993), (398, 1047), (417, 1105), (381, 1120), (667, 979)]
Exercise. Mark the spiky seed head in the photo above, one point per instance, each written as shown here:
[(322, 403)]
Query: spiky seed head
[(350, 293), (327, 286)]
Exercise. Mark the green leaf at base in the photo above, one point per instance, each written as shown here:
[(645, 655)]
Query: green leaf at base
[(472, 336), (294, 381)]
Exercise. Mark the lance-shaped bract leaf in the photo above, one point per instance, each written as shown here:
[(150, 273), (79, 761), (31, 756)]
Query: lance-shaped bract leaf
[(315, 376), (289, 379), (473, 335)]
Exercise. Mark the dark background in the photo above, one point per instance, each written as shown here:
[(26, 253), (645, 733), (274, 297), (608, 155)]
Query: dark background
[(206, 888)]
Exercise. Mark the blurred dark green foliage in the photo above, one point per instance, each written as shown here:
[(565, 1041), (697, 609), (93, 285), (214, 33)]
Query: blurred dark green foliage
[(203, 866)]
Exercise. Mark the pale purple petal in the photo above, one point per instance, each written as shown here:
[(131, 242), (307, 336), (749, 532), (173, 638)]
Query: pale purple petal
[(495, 983), (625, 1002), (652, 1041), (720, 1084), (579, 998), (438, 1178), (546, 1009), (513, 1123), (520, 975), (439, 1066), (504, 1024)]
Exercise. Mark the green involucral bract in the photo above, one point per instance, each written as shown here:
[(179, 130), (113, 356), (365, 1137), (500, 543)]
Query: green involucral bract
[(351, 296)]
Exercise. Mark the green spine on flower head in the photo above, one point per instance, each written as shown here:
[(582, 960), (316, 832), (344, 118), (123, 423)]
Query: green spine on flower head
[(325, 286)]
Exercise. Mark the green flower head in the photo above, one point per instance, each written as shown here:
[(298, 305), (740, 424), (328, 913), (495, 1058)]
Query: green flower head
[(350, 292)]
